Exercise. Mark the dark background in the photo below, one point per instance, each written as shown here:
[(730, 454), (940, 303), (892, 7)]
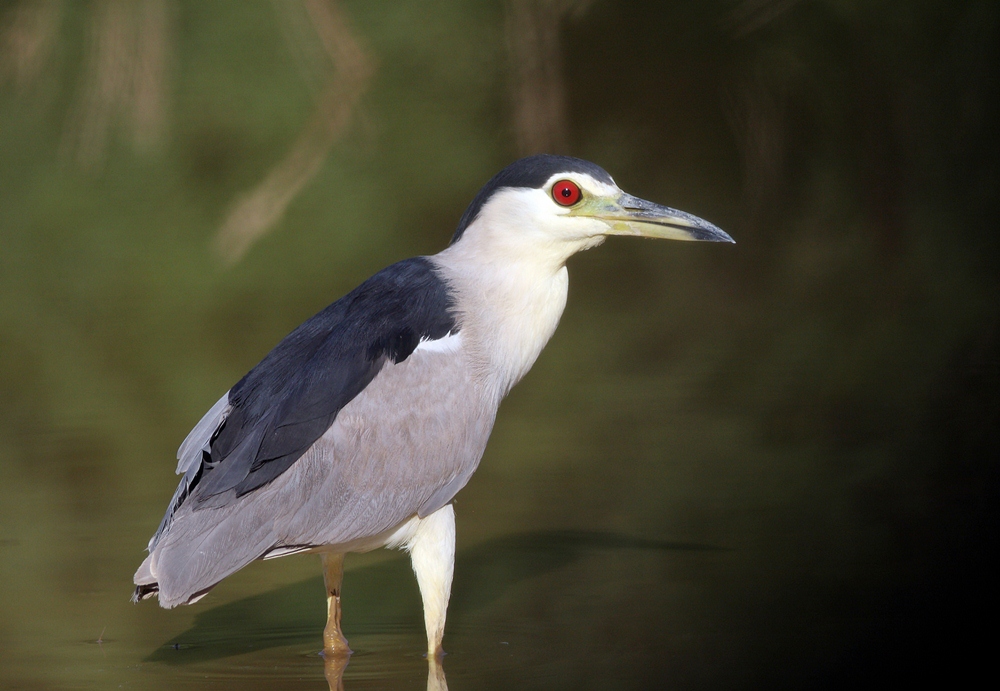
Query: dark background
[(767, 465)]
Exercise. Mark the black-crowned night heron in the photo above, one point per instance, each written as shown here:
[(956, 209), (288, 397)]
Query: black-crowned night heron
[(360, 427)]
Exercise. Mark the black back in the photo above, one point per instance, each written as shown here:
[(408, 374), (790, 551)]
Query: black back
[(531, 172), (289, 400)]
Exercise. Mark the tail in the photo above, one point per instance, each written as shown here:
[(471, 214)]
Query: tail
[(146, 585), (145, 591)]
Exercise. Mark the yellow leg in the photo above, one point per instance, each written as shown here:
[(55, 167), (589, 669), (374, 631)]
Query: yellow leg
[(334, 642)]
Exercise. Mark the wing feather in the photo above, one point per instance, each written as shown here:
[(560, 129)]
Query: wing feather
[(272, 416), (199, 438), (410, 439)]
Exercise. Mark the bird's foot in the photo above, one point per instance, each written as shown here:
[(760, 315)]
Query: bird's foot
[(334, 644)]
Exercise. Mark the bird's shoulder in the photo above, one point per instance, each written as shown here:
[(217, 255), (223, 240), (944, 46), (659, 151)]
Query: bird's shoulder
[(290, 399)]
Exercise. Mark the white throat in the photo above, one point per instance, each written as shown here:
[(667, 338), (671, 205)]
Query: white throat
[(510, 296), (508, 271)]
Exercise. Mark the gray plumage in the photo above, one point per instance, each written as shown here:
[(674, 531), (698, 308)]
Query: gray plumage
[(360, 427), (404, 446)]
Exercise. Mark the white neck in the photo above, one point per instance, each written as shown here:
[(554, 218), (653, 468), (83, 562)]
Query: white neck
[(510, 286)]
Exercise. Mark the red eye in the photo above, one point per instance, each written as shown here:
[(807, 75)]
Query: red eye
[(566, 192)]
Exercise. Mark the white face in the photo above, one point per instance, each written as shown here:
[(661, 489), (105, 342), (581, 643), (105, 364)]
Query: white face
[(573, 212), (563, 210)]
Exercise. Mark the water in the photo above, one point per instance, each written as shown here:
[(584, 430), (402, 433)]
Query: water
[(766, 465)]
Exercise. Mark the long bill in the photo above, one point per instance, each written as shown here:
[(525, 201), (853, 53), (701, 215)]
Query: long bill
[(628, 215)]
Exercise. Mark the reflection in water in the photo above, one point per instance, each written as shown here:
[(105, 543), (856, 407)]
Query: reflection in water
[(293, 614), (333, 670), (435, 676), (334, 666)]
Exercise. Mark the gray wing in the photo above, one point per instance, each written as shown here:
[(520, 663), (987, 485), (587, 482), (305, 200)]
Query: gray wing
[(404, 446), (290, 399), (189, 459), (272, 416), (198, 440)]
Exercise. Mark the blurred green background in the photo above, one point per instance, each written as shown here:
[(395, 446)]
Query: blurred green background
[(768, 465)]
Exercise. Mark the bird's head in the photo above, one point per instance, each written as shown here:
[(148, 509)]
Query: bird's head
[(558, 205)]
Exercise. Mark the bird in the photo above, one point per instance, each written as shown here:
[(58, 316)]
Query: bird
[(359, 428)]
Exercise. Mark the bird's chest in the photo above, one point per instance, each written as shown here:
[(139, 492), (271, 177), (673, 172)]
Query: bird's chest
[(511, 322)]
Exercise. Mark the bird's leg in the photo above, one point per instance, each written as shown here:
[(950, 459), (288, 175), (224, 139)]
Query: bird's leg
[(432, 552), (334, 642)]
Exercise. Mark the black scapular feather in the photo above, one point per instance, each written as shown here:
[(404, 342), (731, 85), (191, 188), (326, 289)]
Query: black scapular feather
[(290, 399)]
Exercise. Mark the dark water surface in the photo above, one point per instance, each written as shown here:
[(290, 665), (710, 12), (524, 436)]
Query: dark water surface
[(768, 465)]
